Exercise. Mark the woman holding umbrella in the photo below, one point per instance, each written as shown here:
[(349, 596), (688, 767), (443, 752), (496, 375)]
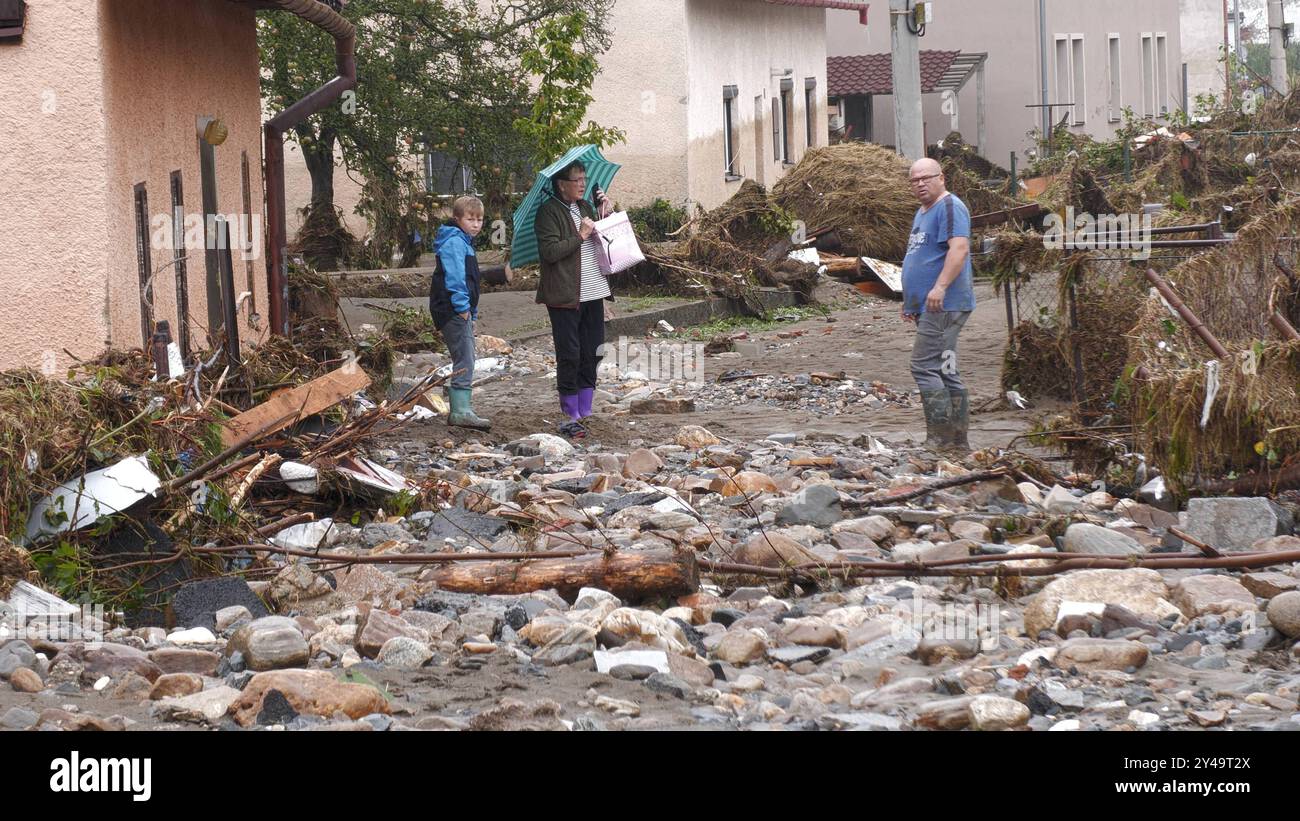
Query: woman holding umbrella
[(572, 288)]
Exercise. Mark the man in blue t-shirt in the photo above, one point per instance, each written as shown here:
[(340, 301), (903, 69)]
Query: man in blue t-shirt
[(938, 295)]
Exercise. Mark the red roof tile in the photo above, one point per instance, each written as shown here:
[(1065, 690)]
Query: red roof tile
[(874, 73)]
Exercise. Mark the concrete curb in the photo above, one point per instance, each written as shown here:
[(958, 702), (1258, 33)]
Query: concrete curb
[(690, 313)]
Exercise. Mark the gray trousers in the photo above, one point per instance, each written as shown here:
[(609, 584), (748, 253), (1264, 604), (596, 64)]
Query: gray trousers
[(934, 351), (459, 335)]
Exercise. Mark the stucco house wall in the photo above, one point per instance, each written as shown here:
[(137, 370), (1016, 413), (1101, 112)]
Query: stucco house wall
[(100, 96), (750, 45), (1201, 30), (200, 58), (1008, 31), (642, 89), (53, 203)]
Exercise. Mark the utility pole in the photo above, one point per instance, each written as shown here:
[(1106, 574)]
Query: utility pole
[(1277, 48), (909, 136)]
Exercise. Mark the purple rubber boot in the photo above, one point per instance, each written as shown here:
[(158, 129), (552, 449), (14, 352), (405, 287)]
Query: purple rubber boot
[(584, 402), (571, 406)]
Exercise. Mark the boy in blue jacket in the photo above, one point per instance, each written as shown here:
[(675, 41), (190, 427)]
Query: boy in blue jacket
[(453, 303)]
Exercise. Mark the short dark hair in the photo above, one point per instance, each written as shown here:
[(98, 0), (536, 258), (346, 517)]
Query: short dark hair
[(566, 173)]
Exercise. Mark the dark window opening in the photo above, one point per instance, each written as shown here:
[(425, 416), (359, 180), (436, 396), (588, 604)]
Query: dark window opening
[(178, 259), (729, 94), (144, 263)]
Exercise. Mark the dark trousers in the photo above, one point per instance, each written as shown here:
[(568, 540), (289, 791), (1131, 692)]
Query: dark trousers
[(578, 336)]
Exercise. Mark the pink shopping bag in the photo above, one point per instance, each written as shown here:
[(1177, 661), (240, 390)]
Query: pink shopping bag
[(619, 249)]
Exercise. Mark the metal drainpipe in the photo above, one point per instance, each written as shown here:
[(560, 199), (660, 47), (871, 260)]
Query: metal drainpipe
[(1042, 62), (344, 34)]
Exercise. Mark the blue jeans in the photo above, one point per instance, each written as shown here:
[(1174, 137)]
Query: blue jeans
[(934, 351), (459, 335)]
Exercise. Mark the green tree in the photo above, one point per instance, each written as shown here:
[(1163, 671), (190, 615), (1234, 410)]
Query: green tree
[(565, 70), (432, 75)]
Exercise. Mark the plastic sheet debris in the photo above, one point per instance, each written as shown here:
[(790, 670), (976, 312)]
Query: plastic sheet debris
[(370, 480), (82, 502), (307, 536)]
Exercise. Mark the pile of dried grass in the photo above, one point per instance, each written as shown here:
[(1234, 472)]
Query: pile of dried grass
[(971, 190), (1035, 363), (858, 189), (963, 156), (1232, 290), (15, 566)]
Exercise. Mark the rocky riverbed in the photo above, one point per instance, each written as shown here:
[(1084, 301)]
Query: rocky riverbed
[(376, 647)]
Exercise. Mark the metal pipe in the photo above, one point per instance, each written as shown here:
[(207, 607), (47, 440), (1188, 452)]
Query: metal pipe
[(1042, 65), (344, 34), (1186, 313), (1285, 328)]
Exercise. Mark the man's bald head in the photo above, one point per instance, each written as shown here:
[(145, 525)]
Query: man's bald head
[(926, 179)]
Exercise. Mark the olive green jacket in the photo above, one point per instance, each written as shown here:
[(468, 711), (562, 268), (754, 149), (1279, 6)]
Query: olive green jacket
[(560, 248)]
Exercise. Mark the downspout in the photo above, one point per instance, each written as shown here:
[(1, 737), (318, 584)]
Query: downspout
[(344, 33), (1042, 63)]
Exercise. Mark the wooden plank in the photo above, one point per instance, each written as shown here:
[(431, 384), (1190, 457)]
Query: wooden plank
[(305, 400)]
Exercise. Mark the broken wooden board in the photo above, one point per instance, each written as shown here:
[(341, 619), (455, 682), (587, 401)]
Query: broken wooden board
[(887, 273), (305, 400)]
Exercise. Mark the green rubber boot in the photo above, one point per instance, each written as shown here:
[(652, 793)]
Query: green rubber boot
[(462, 415), (960, 418), (938, 419)]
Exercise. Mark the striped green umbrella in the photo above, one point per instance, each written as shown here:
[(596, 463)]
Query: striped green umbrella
[(600, 172)]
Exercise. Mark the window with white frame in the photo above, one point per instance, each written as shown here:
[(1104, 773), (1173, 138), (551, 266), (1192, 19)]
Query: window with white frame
[(1064, 81), (1148, 76), (1078, 87), (1114, 80), (1162, 74)]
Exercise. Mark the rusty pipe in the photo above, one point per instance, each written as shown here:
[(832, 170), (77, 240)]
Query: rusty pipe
[(1186, 313), (345, 38), (1283, 327)]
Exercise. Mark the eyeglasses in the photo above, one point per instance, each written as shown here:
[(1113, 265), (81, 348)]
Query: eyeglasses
[(575, 180), (915, 180)]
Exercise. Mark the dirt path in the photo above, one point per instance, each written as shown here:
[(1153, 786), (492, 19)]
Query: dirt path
[(864, 338)]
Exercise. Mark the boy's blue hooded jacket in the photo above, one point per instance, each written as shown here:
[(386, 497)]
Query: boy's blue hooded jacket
[(455, 277)]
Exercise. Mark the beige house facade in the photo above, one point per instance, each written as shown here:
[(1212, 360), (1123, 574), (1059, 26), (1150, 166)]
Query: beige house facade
[(102, 100), (1101, 57), (710, 92)]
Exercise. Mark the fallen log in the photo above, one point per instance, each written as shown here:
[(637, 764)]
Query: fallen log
[(1254, 484), (626, 575)]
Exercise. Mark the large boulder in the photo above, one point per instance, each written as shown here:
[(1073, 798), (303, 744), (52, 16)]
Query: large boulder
[(1233, 525), (1210, 594), (775, 550), (1139, 590), (1101, 654), (313, 692), (1097, 540), (270, 643)]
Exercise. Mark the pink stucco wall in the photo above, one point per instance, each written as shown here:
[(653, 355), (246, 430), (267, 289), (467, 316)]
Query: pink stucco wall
[(165, 64), (101, 95), (53, 192)]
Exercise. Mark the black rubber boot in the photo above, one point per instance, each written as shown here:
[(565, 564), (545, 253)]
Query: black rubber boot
[(960, 419)]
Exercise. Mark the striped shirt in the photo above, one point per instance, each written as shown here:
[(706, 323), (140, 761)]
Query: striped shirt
[(593, 283)]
